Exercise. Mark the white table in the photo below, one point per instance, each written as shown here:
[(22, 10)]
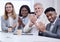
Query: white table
[(25, 38)]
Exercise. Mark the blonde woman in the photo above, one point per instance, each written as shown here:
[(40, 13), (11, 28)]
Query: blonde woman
[(9, 19)]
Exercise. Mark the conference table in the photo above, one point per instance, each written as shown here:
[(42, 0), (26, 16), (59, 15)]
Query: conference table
[(10, 37)]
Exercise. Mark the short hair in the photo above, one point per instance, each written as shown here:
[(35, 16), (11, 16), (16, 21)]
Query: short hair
[(49, 9), (38, 4), (24, 6)]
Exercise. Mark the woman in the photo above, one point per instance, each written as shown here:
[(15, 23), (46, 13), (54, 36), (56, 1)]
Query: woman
[(23, 15), (9, 20)]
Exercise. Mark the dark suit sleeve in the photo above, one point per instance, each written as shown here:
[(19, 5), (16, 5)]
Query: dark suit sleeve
[(50, 34)]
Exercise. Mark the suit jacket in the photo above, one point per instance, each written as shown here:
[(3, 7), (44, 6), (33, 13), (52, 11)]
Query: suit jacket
[(55, 32), (5, 24)]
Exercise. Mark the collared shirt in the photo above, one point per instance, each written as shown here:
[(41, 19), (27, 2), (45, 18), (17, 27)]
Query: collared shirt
[(25, 20), (42, 18), (52, 25)]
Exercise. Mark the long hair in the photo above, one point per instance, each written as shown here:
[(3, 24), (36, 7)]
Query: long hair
[(27, 7), (13, 12)]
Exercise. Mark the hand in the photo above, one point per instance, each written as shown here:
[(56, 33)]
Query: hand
[(31, 24), (33, 19), (41, 27), (14, 25), (20, 22)]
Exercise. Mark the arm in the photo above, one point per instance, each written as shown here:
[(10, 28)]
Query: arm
[(44, 30), (31, 22), (27, 28), (3, 25), (50, 34)]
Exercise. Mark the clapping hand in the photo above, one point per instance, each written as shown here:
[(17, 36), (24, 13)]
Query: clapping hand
[(41, 27), (33, 18)]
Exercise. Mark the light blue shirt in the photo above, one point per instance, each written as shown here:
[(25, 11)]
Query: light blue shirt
[(5, 23), (25, 20)]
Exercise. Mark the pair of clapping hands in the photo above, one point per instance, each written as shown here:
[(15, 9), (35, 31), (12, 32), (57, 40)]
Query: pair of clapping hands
[(10, 28), (40, 25), (20, 22)]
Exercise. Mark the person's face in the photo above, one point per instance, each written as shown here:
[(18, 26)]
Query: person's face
[(9, 8), (24, 12), (38, 9), (51, 16)]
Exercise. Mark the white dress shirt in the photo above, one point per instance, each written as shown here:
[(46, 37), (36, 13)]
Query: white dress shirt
[(52, 25)]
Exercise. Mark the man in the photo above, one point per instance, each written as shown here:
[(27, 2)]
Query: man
[(31, 27), (53, 28)]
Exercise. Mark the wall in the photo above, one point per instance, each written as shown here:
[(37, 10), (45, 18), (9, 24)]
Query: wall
[(50, 3)]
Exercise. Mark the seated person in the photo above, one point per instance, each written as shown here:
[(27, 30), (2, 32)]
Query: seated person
[(53, 28), (34, 19), (23, 16), (9, 20), (23, 13)]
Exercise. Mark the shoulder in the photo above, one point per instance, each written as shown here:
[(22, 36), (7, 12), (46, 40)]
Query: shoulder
[(2, 17), (58, 21)]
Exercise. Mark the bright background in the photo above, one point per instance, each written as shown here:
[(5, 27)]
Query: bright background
[(17, 4)]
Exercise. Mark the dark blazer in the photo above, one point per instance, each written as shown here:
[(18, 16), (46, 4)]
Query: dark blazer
[(55, 32)]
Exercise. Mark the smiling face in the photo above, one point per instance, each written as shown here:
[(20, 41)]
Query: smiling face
[(24, 12), (51, 15), (38, 9), (9, 8)]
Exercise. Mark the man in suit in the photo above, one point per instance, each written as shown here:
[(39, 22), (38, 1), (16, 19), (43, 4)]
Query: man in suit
[(53, 28), (34, 19)]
